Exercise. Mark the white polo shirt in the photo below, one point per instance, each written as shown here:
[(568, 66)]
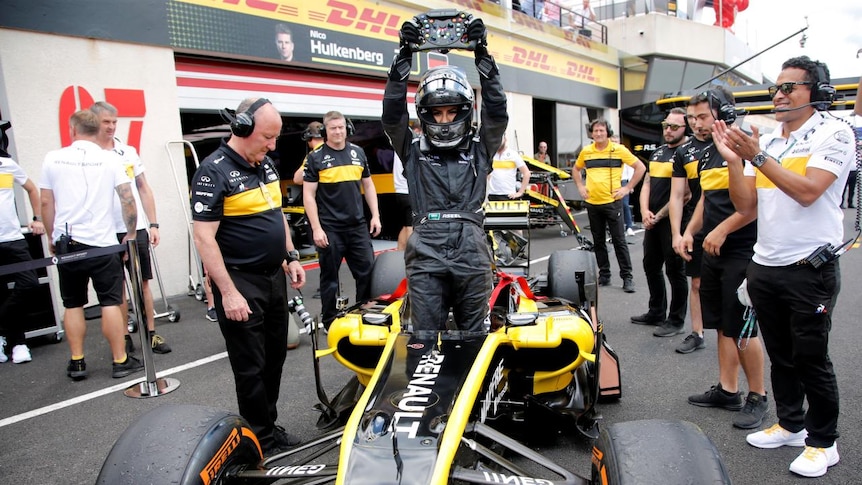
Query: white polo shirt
[(83, 179), (503, 178), (133, 167), (10, 226)]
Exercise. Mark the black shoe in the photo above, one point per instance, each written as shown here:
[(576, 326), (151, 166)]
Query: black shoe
[(629, 285), (77, 369), (647, 319), (716, 397), (668, 329), (691, 343), (316, 294), (604, 281), (131, 365), (751, 414), (285, 439), (211, 314), (130, 344), (159, 344)]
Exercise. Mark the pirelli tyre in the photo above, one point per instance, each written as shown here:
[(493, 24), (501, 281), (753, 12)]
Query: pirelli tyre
[(181, 444), (656, 451), (564, 269), (387, 273)]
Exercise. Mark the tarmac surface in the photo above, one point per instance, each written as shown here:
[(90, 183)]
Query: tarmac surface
[(54, 430)]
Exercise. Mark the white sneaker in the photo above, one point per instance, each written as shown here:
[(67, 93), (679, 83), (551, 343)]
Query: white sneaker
[(21, 354), (630, 232), (813, 462), (776, 437), (3, 357)]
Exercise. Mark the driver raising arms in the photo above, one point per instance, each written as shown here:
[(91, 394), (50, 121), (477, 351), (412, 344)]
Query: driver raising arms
[(447, 258)]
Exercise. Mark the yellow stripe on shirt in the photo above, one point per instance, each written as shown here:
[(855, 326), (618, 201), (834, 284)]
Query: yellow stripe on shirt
[(253, 201), (6, 180), (346, 173), (714, 179)]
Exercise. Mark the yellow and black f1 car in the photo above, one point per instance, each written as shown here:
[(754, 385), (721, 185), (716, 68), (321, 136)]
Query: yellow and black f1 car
[(443, 407)]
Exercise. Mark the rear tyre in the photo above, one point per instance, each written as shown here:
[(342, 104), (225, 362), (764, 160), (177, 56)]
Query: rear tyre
[(656, 451), (563, 268), (181, 444), (387, 273)]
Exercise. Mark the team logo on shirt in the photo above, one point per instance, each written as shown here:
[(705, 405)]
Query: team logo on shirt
[(234, 173), (842, 137)]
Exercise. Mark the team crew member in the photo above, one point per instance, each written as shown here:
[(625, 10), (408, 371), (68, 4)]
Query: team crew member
[(603, 193), (684, 196), (503, 183), (244, 243), (313, 138), (447, 258), (402, 200), (145, 204), (13, 249), (78, 186), (658, 241), (794, 182), (331, 193), (729, 236)]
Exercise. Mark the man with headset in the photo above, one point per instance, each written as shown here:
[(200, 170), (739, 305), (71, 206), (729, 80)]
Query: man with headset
[(334, 173), (728, 237), (244, 243), (603, 193), (658, 241), (793, 179)]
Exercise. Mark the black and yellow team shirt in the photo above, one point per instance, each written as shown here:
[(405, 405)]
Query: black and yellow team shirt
[(604, 170), (686, 158), (338, 174), (660, 171), (246, 200), (717, 206)]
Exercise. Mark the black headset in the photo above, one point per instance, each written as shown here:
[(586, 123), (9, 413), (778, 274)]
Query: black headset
[(242, 124), (313, 130), (348, 124), (722, 106), (601, 121), (822, 93)]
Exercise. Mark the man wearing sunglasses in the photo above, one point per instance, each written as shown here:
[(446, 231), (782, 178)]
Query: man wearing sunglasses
[(793, 179), (658, 247)]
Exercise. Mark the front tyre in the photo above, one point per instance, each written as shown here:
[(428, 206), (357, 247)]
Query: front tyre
[(181, 444), (656, 451)]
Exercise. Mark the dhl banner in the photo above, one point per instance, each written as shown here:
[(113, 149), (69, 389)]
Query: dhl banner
[(358, 34)]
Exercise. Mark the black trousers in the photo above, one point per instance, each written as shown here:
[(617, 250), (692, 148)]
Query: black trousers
[(14, 301), (257, 348), (609, 217), (658, 252), (794, 309), (353, 245)]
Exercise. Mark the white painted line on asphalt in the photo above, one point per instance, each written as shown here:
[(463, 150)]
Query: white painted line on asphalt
[(107, 390)]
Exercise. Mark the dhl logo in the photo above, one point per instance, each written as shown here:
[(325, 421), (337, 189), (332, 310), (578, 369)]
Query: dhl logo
[(530, 58), (367, 19)]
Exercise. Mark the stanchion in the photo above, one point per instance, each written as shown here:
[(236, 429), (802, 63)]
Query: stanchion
[(153, 386)]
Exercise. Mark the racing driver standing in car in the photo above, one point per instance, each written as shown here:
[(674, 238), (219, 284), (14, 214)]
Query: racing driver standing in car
[(447, 258)]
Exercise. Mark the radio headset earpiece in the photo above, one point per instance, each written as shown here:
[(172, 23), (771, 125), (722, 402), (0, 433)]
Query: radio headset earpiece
[(723, 106), (313, 130), (242, 124), (822, 93), (348, 124)]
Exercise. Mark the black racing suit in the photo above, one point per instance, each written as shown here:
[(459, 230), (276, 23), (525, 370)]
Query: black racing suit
[(447, 258)]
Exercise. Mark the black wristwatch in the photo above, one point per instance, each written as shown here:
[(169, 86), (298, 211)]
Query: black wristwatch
[(37, 218), (154, 225), (292, 255), (759, 159)]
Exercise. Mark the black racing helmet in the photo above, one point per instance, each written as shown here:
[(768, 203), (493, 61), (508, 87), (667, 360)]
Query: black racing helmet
[(445, 86)]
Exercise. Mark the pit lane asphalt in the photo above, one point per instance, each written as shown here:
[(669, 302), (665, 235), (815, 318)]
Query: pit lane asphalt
[(53, 430)]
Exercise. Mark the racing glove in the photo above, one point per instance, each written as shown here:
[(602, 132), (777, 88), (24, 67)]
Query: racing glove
[(485, 64), (409, 34)]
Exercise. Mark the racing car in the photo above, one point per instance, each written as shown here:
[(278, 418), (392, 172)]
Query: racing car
[(439, 407)]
